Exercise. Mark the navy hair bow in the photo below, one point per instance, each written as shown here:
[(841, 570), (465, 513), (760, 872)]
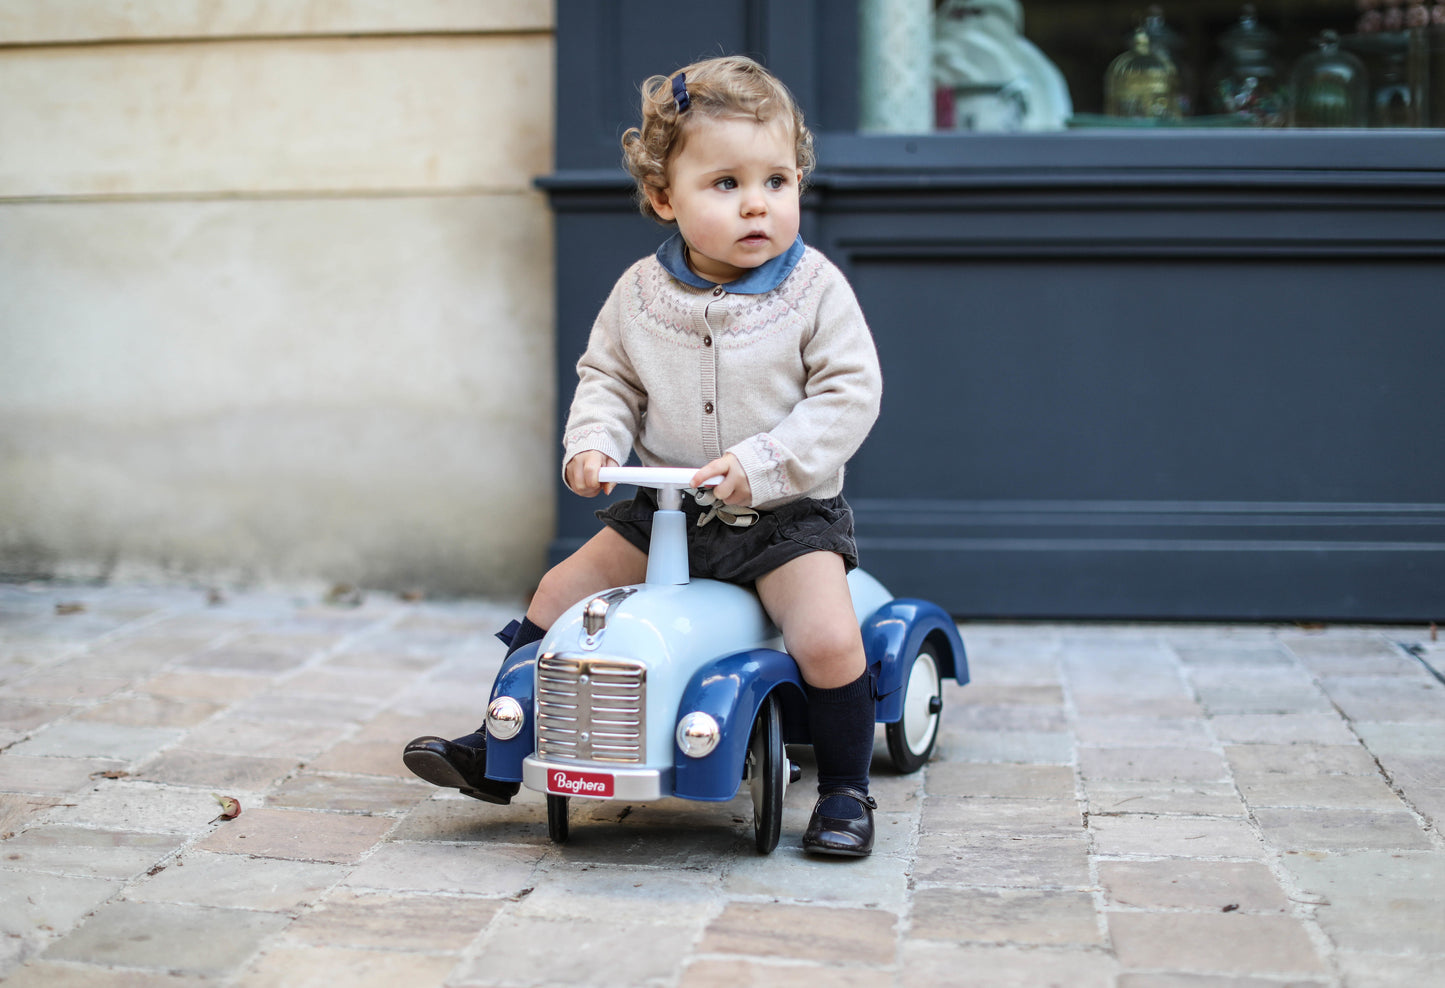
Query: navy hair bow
[(679, 92)]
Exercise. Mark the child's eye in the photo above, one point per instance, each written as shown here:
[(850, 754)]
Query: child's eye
[(777, 182), (726, 184)]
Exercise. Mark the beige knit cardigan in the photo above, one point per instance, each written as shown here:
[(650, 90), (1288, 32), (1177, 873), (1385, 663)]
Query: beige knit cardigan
[(787, 380)]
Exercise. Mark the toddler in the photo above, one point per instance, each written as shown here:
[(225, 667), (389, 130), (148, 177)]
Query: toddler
[(739, 347)]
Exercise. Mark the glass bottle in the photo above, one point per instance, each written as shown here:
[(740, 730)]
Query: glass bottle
[(1328, 87), (1167, 41), (1246, 81), (1142, 84)]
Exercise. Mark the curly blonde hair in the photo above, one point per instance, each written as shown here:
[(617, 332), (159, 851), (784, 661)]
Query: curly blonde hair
[(728, 86)]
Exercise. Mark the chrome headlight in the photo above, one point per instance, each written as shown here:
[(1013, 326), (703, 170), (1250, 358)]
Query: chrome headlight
[(504, 718), (698, 734)]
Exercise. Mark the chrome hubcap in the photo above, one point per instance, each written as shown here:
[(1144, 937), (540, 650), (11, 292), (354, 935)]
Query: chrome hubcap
[(920, 715)]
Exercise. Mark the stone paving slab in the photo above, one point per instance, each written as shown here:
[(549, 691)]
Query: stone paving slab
[(1130, 806)]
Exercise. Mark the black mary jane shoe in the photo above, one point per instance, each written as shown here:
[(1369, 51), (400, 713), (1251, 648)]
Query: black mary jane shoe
[(452, 765), (852, 838)]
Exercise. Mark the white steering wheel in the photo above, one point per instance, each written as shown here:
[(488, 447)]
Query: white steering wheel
[(660, 477)]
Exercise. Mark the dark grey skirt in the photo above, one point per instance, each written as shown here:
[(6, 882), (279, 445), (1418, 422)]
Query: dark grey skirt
[(718, 551)]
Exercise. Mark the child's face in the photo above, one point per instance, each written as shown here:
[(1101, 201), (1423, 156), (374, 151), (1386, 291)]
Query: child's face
[(733, 190)]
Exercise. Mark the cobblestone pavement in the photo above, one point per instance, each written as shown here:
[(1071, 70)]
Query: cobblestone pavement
[(1141, 806)]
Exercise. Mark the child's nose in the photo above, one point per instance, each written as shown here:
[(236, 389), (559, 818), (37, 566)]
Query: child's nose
[(754, 203)]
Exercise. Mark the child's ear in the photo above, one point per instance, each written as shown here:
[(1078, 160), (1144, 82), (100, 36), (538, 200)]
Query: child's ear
[(661, 205)]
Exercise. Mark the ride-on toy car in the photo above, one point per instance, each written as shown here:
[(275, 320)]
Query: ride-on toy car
[(679, 687)]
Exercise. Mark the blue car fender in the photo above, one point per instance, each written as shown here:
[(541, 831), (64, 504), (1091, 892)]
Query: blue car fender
[(731, 690), (892, 636), (517, 679)]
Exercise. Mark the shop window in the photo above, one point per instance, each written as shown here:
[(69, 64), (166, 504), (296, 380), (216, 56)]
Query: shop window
[(1006, 66)]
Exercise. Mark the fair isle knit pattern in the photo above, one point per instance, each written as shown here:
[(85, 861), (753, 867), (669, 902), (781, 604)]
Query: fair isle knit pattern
[(786, 380)]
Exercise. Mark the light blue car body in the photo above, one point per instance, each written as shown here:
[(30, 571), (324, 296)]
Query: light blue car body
[(709, 647)]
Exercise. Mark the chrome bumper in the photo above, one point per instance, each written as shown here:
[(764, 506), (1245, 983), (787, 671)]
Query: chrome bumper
[(627, 783)]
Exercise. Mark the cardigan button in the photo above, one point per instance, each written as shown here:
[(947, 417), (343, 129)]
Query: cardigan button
[(719, 292), (707, 341), (707, 408)]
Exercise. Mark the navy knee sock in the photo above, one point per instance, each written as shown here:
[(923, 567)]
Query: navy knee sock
[(520, 633), (514, 636), (841, 723)]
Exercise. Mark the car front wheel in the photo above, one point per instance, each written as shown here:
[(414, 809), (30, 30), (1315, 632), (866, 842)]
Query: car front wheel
[(767, 768), (557, 827)]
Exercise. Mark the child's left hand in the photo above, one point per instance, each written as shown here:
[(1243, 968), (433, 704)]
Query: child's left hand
[(734, 487)]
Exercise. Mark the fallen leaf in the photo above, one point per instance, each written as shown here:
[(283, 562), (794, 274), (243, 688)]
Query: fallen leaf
[(230, 807), (345, 595), (70, 607)]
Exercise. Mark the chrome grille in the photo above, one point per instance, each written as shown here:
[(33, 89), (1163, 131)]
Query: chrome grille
[(591, 709)]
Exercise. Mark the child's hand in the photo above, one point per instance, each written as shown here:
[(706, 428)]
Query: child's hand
[(581, 473), (734, 487)]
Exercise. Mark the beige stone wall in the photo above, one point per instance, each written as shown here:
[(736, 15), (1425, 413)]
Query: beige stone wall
[(275, 291)]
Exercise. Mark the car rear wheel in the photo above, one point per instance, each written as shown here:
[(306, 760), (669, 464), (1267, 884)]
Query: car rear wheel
[(911, 739), (767, 768)]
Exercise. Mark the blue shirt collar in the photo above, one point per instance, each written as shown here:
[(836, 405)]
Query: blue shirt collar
[(761, 279)]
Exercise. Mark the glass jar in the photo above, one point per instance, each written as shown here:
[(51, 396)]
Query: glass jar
[(1328, 87), (1142, 84), (1394, 16), (1246, 80), (1393, 102), (1371, 20)]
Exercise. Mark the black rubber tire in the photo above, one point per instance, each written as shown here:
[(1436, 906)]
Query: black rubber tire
[(912, 737), (557, 825), (767, 775)]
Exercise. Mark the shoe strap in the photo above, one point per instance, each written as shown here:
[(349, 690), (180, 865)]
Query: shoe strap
[(851, 793)]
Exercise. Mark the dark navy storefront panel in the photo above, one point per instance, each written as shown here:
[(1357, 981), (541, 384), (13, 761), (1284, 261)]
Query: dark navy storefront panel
[(1160, 438), (1129, 375)]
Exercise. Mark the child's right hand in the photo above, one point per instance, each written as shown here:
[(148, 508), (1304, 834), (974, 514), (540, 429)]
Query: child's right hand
[(582, 470)]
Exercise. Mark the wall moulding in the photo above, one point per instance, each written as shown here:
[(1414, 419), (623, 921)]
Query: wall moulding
[(25, 22), (295, 115)]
